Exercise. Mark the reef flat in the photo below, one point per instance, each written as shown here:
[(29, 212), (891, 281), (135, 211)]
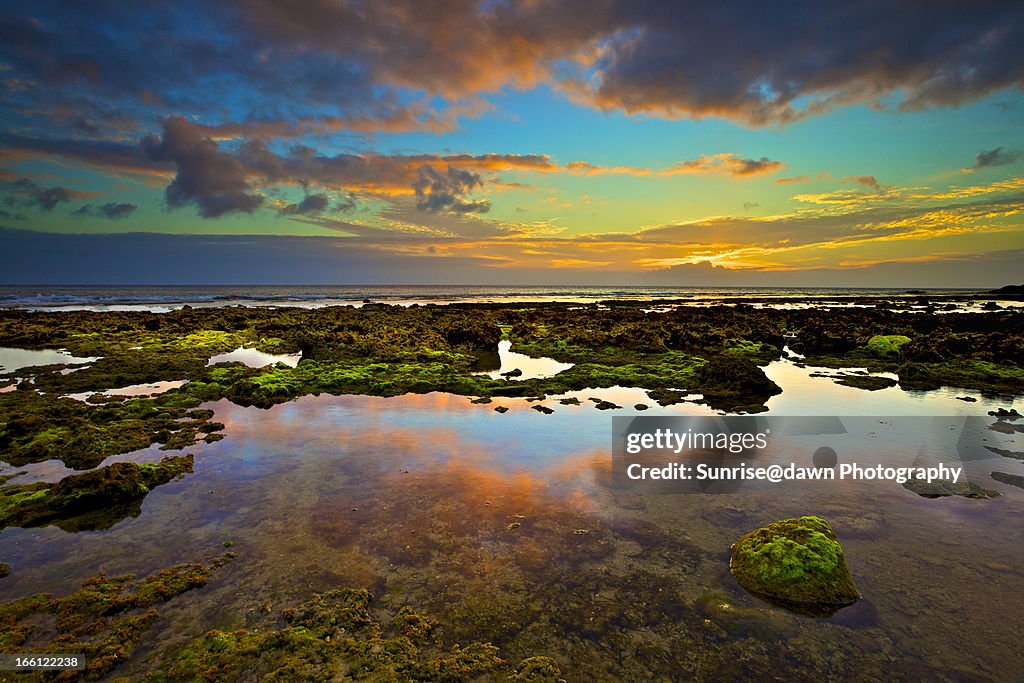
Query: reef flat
[(72, 413)]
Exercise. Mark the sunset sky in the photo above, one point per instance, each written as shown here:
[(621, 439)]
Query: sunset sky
[(535, 142)]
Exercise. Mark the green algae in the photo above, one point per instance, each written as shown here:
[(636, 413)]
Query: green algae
[(333, 634), (963, 372), (38, 427), (886, 346), (104, 620), (96, 499), (797, 563)]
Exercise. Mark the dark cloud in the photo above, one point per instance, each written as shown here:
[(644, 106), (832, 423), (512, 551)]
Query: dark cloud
[(311, 204), (747, 206), (111, 210), (754, 62), (443, 190), (996, 157), (213, 180), (866, 181), (367, 66), (27, 193)]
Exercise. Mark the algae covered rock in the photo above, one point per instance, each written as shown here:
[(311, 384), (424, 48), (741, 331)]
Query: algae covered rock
[(795, 563), (732, 381)]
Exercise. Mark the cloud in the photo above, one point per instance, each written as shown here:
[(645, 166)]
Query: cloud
[(423, 65), (311, 204), (111, 211), (721, 164), (214, 181), (866, 180), (794, 179), (30, 194), (443, 191), (996, 157)]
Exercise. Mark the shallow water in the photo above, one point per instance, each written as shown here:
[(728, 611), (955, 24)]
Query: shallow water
[(14, 359), (532, 367), (148, 389), (256, 359), (413, 497)]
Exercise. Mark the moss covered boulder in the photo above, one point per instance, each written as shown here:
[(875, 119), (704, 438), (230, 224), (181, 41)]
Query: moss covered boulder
[(795, 563), (886, 346)]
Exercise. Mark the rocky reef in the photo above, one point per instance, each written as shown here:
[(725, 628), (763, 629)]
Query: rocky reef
[(94, 500), (333, 634), (795, 563), (104, 620)]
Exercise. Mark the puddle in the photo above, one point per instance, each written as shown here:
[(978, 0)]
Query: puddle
[(12, 359), (256, 359), (531, 368)]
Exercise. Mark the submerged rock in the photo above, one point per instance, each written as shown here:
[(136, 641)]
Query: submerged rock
[(93, 500), (795, 563), (941, 488), (1011, 479)]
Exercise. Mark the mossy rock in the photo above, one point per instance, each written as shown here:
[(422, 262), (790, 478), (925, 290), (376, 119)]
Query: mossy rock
[(886, 345), (797, 564)]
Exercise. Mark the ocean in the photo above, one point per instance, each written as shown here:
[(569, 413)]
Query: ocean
[(165, 298)]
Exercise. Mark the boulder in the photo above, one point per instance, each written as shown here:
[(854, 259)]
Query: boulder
[(797, 564)]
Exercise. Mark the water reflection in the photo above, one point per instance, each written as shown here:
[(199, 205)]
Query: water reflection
[(256, 359), (12, 359), (529, 367), (507, 529)]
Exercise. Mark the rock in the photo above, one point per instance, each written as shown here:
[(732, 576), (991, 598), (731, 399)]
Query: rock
[(607, 405), (501, 409), (1011, 479), (1008, 290), (666, 397), (482, 400), (640, 406), (797, 564), (543, 409), (512, 373), (5, 569), (1003, 412), (573, 401), (1006, 453), (731, 374), (942, 488), (866, 382), (1004, 427), (967, 399)]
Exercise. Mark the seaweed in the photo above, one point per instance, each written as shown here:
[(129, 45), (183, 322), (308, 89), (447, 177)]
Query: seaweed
[(104, 620)]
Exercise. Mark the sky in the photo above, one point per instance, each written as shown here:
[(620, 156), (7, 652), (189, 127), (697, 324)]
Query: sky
[(538, 142)]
